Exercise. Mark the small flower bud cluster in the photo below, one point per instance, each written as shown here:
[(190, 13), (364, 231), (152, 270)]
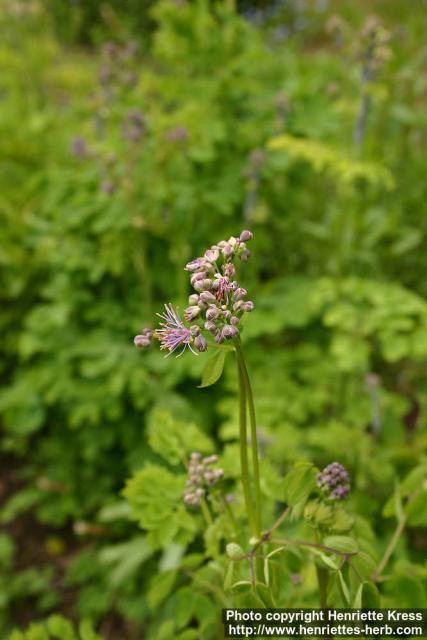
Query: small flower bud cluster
[(334, 481), (79, 147), (117, 64), (219, 300), (177, 134), (144, 339), (134, 126), (375, 40), (201, 476)]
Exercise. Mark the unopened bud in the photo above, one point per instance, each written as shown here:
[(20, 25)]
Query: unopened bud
[(248, 306), (207, 297), (200, 343), (212, 313), (212, 255), (191, 313), (246, 235)]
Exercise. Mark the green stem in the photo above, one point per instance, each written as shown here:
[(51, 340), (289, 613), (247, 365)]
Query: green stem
[(206, 512), (322, 581), (229, 513), (244, 451), (322, 578), (254, 437), (393, 540)]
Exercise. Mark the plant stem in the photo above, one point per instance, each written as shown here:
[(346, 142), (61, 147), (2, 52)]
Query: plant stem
[(393, 540), (244, 451), (322, 581), (254, 438), (206, 512), (229, 513), (390, 548)]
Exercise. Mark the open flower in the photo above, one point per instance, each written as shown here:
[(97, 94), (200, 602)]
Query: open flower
[(173, 332)]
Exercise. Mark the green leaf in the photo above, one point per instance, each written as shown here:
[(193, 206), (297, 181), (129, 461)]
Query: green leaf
[(229, 575), (344, 588), (407, 591), (174, 439), (184, 606), (273, 553), (213, 369), (60, 628), (264, 594), (417, 510), (155, 496), (370, 596), (125, 559), (328, 517), (344, 544), (160, 587), (329, 562), (299, 483), (414, 480)]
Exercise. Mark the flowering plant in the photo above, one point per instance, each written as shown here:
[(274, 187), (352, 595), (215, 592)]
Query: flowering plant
[(244, 562)]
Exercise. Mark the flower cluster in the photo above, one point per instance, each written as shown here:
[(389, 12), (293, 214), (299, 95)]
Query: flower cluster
[(217, 305), (334, 481), (134, 126), (201, 477), (118, 65)]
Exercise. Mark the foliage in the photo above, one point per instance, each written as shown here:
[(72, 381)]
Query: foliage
[(56, 627)]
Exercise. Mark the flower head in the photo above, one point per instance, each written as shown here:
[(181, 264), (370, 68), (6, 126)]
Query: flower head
[(334, 481), (217, 304), (201, 477)]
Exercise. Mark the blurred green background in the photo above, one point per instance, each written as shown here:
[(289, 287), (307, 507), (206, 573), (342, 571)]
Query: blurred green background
[(132, 136)]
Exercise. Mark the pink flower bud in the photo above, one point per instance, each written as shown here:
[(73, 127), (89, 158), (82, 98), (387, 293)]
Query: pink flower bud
[(227, 250), (141, 341), (195, 265), (239, 294), (229, 331), (212, 255), (202, 285), (212, 313), (200, 343), (210, 326), (207, 297), (191, 313), (198, 275), (228, 269), (246, 235)]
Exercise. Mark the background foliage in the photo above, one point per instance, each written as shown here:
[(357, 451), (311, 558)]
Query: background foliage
[(130, 141)]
